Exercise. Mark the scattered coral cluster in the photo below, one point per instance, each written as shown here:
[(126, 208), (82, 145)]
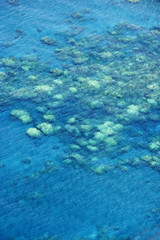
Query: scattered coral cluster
[(108, 84)]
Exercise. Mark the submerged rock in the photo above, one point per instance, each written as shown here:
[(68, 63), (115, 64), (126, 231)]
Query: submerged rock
[(13, 2), (133, 1), (48, 41), (56, 72)]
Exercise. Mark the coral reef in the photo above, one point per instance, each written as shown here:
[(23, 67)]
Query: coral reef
[(106, 85)]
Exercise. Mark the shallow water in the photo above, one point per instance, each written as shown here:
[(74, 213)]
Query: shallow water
[(97, 174)]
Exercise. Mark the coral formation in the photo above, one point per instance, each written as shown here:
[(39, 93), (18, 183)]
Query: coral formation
[(49, 117), (33, 132), (46, 128), (21, 115)]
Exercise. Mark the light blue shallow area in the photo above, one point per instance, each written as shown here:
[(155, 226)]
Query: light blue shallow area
[(72, 203)]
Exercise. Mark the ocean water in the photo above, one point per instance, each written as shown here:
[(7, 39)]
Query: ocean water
[(79, 120)]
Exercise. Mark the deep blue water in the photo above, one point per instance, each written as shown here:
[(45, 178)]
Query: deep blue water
[(41, 197)]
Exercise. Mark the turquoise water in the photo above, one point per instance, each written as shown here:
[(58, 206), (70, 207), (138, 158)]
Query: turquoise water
[(80, 120)]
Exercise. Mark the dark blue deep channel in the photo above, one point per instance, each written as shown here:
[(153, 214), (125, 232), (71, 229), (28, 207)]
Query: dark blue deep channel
[(79, 120)]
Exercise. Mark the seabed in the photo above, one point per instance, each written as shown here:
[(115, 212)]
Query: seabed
[(80, 120)]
